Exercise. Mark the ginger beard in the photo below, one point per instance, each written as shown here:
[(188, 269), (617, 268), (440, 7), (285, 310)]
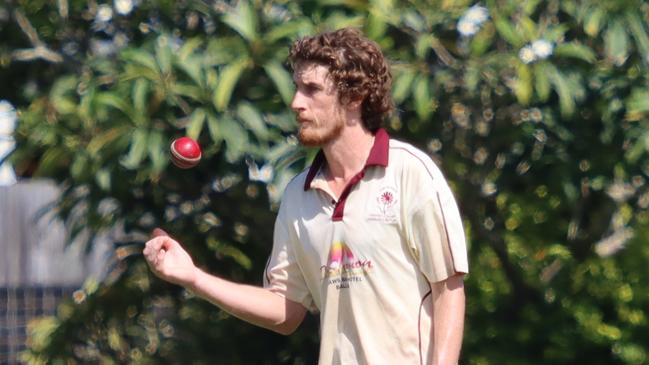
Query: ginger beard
[(315, 133)]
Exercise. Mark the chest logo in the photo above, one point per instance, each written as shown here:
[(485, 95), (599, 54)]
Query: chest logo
[(384, 208), (343, 268)]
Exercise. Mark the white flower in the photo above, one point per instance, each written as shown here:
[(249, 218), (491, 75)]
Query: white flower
[(104, 14), (542, 48), (476, 14), (470, 22), (123, 7), (467, 28), (527, 55)]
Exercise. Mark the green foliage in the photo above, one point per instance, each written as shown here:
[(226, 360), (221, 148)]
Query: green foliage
[(537, 113)]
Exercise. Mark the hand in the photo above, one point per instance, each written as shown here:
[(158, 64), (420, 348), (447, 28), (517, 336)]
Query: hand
[(168, 260)]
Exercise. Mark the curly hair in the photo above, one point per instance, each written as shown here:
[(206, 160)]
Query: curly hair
[(357, 68)]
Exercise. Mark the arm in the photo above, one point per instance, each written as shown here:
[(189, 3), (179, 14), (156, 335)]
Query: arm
[(448, 319), (169, 261)]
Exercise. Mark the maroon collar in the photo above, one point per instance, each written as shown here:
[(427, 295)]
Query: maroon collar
[(378, 156)]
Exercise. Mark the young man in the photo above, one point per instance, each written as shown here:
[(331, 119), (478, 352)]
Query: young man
[(370, 236)]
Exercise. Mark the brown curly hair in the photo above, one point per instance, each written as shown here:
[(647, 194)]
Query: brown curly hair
[(356, 67)]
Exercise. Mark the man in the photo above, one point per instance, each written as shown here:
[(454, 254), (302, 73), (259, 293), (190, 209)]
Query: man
[(370, 236)]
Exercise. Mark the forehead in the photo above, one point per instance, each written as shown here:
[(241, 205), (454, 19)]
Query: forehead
[(310, 72)]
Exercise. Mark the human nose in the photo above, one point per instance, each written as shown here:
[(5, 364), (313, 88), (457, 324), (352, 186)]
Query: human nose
[(297, 104)]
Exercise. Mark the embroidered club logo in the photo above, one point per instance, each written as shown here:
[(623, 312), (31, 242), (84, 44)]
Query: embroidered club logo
[(343, 267), (385, 206), (386, 201)]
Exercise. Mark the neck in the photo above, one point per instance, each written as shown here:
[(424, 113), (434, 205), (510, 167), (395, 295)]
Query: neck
[(346, 155)]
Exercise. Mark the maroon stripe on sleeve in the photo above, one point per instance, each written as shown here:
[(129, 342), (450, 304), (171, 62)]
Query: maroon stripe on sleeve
[(421, 306)]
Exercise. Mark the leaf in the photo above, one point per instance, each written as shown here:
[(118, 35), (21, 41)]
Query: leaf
[(593, 22), (291, 29), (188, 48), (556, 34), (471, 77), (575, 50), (507, 31), (214, 129), (103, 179), (52, 159), (79, 168), (528, 27), (402, 84), (114, 101), (523, 84), (157, 150), (638, 30), (211, 79), (243, 20), (190, 91), (141, 58), (227, 82), (279, 151), (253, 120), (561, 86), (282, 80), (421, 91), (62, 102), (235, 138), (530, 6), (541, 82), (482, 40), (639, 148), (163, 54), (140, 92), (637, 105), (102, 139), (192, 66), (413, 20), (423, 44), (616, 43), (375, 26), (137, 150), (196, 122)]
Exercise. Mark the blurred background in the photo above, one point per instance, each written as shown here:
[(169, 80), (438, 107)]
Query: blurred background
[(536, 111)]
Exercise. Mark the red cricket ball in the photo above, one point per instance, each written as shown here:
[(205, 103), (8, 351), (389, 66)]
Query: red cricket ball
[(185, 152)]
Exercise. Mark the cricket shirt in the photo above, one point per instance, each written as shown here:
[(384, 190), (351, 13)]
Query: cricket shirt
[(365, 260)]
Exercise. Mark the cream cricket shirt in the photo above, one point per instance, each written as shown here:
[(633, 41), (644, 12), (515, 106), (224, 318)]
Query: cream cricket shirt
[(365, 261)]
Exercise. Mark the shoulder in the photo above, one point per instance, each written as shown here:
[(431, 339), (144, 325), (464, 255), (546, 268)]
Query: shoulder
[(413, 162), (296, 185)]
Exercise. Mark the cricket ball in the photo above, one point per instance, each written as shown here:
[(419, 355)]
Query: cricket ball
[(185, 152)]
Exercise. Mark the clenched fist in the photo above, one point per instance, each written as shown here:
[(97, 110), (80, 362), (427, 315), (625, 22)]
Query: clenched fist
[(168, 260)]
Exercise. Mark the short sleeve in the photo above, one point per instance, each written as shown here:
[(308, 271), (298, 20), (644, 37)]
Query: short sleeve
[(435, 233), (283, 275)]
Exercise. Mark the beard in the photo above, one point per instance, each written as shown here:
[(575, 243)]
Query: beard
[(315, 134)]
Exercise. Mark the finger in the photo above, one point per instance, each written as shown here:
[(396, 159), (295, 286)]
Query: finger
[(158, 232), (152, 246), (160, 256)]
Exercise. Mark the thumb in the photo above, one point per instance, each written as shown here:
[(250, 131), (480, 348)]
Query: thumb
[(158, 232)]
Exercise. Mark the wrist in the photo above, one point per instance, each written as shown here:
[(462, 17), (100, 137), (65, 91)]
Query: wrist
[(192, 285)]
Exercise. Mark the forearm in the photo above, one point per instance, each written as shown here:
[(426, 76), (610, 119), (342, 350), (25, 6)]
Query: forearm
[(448, 320), (252, 304)]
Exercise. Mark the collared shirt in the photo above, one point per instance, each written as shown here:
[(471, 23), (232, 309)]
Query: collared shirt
[(365, 260)]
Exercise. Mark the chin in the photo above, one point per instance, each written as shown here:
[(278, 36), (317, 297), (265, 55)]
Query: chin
[(310, 139), (318, 137)]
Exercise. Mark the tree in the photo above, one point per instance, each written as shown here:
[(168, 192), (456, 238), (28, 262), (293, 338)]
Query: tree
[(535, 110)]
